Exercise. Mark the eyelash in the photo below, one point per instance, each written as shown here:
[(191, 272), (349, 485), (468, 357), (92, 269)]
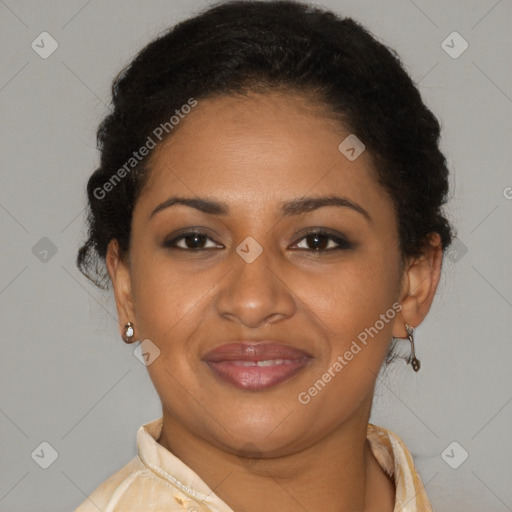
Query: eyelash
[(343, 243)]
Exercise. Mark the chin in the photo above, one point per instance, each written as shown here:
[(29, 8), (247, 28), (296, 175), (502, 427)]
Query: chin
[(262, 431)]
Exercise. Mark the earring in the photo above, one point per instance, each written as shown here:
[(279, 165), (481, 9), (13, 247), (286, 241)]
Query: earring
[(415, 363), (128, 333)]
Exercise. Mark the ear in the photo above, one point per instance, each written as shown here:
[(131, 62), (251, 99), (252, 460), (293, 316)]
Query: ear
[(419, 284), (119, 271)]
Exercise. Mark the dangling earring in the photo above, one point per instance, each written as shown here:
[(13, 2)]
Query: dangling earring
[(128, 333), (415, 363)]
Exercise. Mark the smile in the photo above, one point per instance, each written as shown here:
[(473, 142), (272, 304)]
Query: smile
[(256, 367)]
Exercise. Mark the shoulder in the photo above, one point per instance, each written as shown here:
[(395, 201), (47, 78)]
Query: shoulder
[(113, 487), (137, 488)]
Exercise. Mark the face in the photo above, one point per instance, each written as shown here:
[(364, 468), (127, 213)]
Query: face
[(296, 288)]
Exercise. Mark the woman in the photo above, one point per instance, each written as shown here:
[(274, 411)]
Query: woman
[(268, 208)]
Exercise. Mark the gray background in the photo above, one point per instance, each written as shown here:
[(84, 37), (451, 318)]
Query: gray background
[(69, 380)]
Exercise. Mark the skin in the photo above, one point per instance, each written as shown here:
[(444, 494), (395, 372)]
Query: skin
[(253, 153)]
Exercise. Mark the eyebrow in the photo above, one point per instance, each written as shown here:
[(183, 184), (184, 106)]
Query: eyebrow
[(290, 208)]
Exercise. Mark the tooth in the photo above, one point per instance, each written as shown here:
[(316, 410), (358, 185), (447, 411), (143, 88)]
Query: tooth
[(270, 362), (266, 362)]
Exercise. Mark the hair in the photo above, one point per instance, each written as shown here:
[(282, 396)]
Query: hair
[(260, 46)]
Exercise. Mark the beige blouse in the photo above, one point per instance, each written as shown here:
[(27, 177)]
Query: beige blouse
[(156, 480)]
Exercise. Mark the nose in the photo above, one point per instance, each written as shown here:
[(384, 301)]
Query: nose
[(255, 292)]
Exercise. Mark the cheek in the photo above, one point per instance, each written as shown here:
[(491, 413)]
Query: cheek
[(354, 294), (356, 313), (173, 302), (164, 297), (150, 286), (169, 307)]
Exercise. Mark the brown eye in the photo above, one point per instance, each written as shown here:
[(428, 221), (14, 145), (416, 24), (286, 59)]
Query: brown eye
[(192, 241), (320, 241)]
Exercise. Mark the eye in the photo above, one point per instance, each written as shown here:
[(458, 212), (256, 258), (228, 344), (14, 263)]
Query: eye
[(321, 239), (193, 241)]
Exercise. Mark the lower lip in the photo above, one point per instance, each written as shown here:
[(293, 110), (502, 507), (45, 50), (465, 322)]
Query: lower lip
[(257, 377)]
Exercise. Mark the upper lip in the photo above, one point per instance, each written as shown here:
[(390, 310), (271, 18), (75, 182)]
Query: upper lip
[(254, 351)]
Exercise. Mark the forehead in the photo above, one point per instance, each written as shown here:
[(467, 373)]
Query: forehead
[(256, 148)]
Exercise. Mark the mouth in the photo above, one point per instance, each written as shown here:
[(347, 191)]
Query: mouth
[(256, 366)]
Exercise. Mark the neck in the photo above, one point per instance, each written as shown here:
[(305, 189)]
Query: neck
[(338, 473)]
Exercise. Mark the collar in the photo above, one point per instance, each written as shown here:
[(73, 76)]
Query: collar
[(396, 460)]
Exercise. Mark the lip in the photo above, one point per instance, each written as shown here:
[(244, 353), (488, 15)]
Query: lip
[(256, 366)]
